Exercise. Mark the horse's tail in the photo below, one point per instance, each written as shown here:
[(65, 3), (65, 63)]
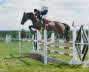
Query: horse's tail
[(66, 32)]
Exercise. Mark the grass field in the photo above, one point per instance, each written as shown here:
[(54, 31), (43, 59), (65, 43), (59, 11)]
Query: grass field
[(13, 63)]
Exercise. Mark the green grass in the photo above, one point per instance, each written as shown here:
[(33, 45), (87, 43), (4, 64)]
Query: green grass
[(13, 64), (29, 65), (13, 48)]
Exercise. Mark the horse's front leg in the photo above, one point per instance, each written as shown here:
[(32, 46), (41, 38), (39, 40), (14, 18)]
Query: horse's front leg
[(35, 43), (32, 31), (30, 27)]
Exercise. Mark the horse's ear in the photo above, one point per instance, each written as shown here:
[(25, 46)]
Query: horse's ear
[(24, 13)]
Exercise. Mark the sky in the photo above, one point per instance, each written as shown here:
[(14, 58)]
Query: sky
[(65, 11)]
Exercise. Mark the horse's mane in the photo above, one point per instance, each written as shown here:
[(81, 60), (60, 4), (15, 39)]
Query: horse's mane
[(29, 12)]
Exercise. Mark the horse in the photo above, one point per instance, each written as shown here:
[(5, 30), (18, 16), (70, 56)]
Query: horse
[(53, 26)]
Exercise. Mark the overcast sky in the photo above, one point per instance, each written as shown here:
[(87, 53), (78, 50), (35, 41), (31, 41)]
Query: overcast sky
[(66, 11)]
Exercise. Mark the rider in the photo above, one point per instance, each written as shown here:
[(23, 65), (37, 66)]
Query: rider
[(40, 14)]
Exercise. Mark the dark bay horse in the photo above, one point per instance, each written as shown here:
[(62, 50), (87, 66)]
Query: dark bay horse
[(53, 26)]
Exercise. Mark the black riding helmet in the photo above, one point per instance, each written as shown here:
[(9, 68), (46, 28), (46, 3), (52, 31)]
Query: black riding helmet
[(35, 10)]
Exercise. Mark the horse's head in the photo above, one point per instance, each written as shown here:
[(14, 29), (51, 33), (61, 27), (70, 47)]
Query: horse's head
[(27, 16)]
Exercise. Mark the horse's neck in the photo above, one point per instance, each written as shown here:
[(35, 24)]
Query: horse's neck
[(33, 21), (36, 21)]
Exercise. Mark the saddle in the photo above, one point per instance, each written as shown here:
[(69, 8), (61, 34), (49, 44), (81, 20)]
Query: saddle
[(45, 21)]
